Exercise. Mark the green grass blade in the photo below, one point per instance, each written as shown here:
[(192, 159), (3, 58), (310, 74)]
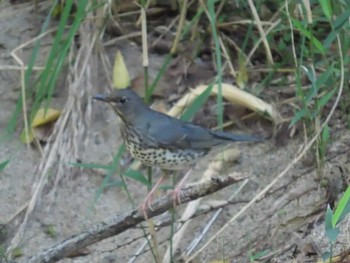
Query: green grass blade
[(338, 24), (220, 107), (341, 20), (55, 54), (169, 57), (65, 45), (4, 164), (298, 116), (343, 208), (113, 168), (309, 35), (160, 73), (196, 104), (137, 176), (327, 8), (28, 73), (331, 232), (324, 99)]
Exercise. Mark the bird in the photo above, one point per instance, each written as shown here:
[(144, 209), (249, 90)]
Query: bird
[(159, 140)]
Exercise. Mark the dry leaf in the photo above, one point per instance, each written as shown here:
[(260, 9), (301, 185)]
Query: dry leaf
[(232, 94), (45, 116), (42, 125), (121, 78)]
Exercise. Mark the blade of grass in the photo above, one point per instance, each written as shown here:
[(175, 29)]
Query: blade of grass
[(112, 169), (196, 104), (298, 25), (212, 19), (327, 8), (4, 164), (337, 25), (169, 56), (78, 17), (44, 87), (342, 209), (137, 176), (29, 72)]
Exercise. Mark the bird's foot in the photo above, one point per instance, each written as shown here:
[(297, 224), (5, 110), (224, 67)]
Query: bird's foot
[(176, 191), (176, 196), (144, 207)]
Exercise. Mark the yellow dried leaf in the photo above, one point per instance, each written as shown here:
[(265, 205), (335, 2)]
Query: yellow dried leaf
[(42, 125), (121, 78), (45, 116), (232, 94)]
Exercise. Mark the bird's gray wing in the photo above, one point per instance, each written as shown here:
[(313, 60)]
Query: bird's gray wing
[(173, 133)]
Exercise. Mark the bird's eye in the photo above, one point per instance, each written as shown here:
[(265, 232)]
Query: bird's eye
[(122, 100)]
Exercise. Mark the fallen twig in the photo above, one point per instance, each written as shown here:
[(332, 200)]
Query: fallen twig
[(119, 224)]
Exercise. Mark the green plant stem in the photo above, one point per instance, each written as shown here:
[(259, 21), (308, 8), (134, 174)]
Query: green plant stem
[(172, 226), (212, 18)]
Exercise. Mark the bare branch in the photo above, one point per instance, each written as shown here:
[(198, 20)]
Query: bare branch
[(119, 224)]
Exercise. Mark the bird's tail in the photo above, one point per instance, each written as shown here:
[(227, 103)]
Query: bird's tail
[(236, 137)]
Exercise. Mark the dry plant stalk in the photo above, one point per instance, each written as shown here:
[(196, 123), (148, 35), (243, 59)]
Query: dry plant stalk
[(70, 130), (261, 31)]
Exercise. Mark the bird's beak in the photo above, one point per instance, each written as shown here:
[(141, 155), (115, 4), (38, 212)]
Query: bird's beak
[(101, 97)]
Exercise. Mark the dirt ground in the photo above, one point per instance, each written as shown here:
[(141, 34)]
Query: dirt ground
[(287, 223)]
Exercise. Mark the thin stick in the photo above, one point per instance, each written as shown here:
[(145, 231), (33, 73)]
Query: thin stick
[(197, 240), (257, 43), (227, 56), (262, 32), (11, 67), (180, 27)]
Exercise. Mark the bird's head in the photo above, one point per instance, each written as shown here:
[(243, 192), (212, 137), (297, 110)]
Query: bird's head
[(125, 102)]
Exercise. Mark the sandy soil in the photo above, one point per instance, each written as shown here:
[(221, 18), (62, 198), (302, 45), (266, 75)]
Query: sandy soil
[(287, 222)]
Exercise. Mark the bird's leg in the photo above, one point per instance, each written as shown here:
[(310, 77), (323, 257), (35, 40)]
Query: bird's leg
[(146, 203), (177, 190)]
